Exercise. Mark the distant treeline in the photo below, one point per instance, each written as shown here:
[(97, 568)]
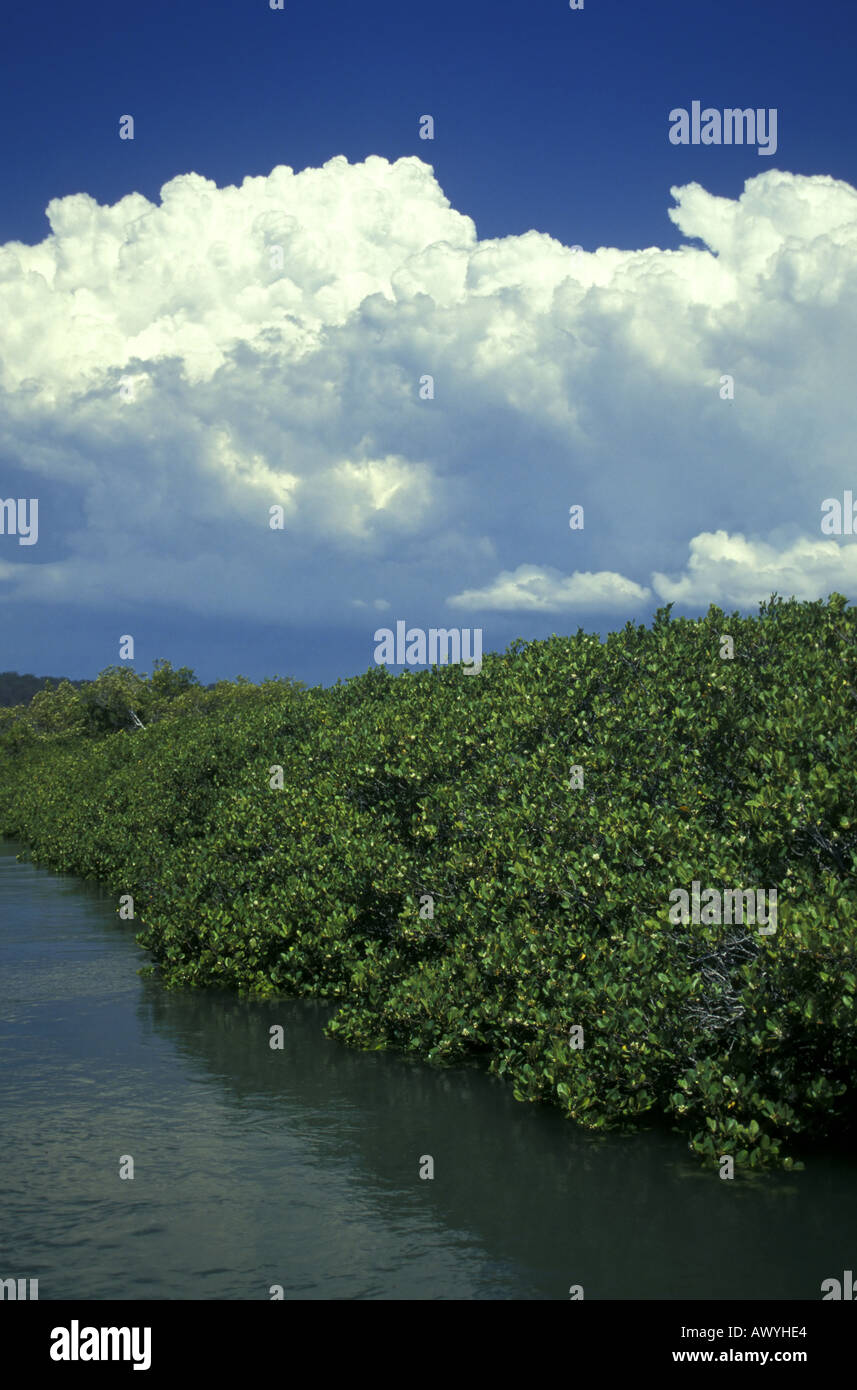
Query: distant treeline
[(19, 690)]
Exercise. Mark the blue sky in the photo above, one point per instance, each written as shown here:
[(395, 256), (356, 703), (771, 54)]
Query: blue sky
[(165, 378)]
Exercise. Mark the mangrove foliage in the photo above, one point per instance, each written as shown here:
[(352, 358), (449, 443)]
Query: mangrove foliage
[(481, 865)]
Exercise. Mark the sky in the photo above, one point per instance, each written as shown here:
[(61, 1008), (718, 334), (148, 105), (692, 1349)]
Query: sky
[(424, 351)]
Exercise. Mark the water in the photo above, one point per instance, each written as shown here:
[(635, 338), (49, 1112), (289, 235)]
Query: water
[(300, 1168)]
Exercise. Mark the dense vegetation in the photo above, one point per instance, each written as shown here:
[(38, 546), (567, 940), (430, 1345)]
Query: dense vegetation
[(551, 902)]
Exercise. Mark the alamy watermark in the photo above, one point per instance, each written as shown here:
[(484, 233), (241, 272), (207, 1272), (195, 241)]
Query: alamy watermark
[(713, 908), (13, 519), (729, 127), (439, 647), (839, 516), (16, 1289), (76, 1343), (836, 1290)]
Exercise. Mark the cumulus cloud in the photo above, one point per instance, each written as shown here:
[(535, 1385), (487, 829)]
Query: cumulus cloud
[(731, 569), (532, 589), (168, 372), (722, 569)]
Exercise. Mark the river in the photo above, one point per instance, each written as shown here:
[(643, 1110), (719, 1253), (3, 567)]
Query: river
[(300, 1168)]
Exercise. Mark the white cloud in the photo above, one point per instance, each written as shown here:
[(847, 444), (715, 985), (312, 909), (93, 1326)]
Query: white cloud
[(535, 589), (275, 336), (731, 569), (721, 569)]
